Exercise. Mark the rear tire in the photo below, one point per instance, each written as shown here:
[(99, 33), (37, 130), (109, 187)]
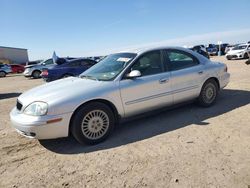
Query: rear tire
[(92, 123), (2, 74), (36, 74), (209, 93)]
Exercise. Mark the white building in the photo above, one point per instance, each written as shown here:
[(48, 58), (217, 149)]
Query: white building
[(15, 55)]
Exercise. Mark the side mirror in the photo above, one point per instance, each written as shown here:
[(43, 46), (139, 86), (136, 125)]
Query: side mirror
[(134, 74)]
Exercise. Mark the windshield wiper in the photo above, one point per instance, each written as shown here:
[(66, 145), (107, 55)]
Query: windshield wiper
[(89, 77)]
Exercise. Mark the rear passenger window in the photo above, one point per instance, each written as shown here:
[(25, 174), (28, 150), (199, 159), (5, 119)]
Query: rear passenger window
[(180, 60)]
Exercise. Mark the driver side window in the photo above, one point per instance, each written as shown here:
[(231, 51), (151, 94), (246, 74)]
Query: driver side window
[(48, 62), (149, 63)]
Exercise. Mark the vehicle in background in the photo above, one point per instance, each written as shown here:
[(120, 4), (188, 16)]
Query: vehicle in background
[(239, 52), (212, 49), (201, 50), (222, 48), (4, 70), (35, 71), (16, 68), (96, 58), (70, 68), (229, 47), (32, 62), (120, 86)]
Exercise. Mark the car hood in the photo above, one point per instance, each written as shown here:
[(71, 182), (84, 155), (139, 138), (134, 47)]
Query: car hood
[(231, 52), (60, 89)]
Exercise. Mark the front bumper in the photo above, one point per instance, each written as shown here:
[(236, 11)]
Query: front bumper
[(212, 53), (27, 73), (224, 80), (235, 56), (39, 127)]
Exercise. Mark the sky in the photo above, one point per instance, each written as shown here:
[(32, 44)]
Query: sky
[(99, 27)]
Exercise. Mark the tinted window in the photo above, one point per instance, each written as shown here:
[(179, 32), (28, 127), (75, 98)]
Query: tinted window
[(48, 62), (149, 63), (75, 63), (242, 47), (87, 63), (180, 60)]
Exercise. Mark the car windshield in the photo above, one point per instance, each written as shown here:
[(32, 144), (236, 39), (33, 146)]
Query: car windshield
[(108, 68), (240, 47)]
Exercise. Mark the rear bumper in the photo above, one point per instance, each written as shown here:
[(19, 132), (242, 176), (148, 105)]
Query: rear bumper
[(49, 79), (39, 127)]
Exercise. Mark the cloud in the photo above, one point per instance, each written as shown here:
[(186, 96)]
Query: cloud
[(232, 36)]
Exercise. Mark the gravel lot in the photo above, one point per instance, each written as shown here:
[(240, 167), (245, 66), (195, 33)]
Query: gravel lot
[(188, 146)]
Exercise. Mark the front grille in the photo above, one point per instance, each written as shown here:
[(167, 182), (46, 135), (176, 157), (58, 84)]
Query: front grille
[(232, 56), (19, 105)]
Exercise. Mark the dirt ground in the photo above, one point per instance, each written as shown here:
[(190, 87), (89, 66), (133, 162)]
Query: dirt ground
[(188, 146)]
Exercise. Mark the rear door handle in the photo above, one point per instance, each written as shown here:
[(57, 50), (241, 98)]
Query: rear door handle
[(164, 80), (200, 72)]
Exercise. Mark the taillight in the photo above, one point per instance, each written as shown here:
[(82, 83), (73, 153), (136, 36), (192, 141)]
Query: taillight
[(45, 73)]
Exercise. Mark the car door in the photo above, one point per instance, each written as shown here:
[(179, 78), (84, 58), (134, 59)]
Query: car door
[(187, 74), (149, 91)]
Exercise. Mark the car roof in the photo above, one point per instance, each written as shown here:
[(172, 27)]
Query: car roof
[(146, 49)]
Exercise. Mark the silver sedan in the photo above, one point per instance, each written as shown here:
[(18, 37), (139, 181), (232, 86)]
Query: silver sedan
[(121, 85)]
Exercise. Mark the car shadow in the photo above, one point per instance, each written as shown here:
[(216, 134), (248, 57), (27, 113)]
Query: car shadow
[(157, 123), (9, 95)]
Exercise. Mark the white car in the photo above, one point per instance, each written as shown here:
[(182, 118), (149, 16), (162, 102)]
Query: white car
[(121, 85), (239, 52)]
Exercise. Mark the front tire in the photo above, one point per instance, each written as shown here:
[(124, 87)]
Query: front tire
[(92, 123), (209, 93), (246, 56)]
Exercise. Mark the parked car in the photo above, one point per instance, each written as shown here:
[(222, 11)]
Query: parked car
[(71, 68), (16, 68), (222, 48), (212, 49), (239, 52), (121, 85), (229, 47), (32, 62), (201, 50), (36, 70), (4, 70)]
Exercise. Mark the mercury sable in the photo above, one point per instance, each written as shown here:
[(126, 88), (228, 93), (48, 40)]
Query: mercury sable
[(121, 85)]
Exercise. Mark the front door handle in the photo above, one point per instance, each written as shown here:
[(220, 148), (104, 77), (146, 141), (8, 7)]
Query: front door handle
[(163, 81), (200, 72)]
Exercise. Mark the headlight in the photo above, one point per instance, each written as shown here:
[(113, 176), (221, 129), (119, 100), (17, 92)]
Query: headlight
[(36, 109)]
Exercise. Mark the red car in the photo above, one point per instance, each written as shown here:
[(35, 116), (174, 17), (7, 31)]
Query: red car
[(17, 68)]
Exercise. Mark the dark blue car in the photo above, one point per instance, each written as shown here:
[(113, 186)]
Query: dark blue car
[(70, 68)]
